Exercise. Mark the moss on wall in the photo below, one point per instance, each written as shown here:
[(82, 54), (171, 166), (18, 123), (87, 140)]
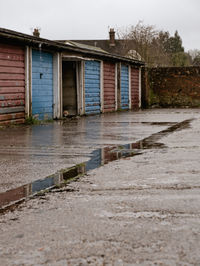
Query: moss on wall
[(172, 87)]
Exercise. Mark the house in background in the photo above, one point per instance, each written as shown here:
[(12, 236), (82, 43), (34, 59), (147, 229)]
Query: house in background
[(44, 79), (125, 48)]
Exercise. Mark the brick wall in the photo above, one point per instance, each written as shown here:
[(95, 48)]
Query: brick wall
[(171, 87)]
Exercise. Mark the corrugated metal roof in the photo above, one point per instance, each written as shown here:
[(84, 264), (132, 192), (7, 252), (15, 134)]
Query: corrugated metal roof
[(85, 46)]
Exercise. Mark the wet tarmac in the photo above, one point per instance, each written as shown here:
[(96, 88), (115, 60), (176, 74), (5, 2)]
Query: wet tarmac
[(49, 164), (141, 209), (30, 153), (99, 157)]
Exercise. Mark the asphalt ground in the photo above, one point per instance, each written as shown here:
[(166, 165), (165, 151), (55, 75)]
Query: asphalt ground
[(139, 210)]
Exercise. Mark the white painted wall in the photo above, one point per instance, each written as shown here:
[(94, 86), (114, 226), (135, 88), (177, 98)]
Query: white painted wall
[(140, 88), (27, 80), (116, 99), (129, 76), (57, 71), (101, 86)]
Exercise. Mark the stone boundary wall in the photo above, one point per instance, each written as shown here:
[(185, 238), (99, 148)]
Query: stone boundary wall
[(171, 87)]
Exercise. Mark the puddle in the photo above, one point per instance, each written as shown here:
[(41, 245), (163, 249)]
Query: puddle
[(99, 157)]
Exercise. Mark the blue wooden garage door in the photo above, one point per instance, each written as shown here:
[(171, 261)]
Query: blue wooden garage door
[(42, 85), (124, 87), (92, 87)]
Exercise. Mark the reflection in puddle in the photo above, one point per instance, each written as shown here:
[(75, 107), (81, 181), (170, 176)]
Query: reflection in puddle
[(99, 157), (21, 193)]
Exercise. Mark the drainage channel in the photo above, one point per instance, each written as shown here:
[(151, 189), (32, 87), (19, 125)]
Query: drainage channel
[(12, 198)]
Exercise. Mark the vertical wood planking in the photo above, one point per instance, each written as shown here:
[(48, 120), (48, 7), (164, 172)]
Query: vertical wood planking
[(116, 85), (27, 79), (56, 86), (129, 85), (135, 88), (12, 84), (92, 87), (109, 87), (140, 87), (101, 87), (80, 86)]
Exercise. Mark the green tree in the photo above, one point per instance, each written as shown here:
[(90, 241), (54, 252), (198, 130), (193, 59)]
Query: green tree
[(175, 49), (180, 59), (174, 44)]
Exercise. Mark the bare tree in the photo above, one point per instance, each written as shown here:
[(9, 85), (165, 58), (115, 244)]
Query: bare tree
[(142, 37), (195, 57), (157, 48)]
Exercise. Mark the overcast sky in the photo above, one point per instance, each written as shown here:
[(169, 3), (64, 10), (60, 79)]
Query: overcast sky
[(90, 19)]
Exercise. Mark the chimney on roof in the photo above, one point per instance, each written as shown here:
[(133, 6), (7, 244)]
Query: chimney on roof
[(36, 32), (112, 37)]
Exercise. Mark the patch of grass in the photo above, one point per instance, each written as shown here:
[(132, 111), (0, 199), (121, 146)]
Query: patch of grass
[(120, 147), (32, 121), (122, 110), (153, 98), (50, 120)]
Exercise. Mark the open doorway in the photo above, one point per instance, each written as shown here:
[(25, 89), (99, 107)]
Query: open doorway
[(69, 81)]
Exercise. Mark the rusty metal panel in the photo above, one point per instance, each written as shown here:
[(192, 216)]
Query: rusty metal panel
[(12, 84), (10, 76), (11, 118), (135, 88), (109, 86), (12, 103)]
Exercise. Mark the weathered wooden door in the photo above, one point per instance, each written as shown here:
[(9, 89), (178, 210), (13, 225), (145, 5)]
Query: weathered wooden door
[(135, 95), (124, 87), (42, 85), (12, 84), (109, 86), (92, 87)]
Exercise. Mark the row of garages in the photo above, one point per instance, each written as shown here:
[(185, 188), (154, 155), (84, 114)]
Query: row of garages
[(49, 80)]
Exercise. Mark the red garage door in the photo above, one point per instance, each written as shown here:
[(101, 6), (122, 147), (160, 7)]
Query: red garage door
[(12, 84), (109, 86), (135, 88)]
